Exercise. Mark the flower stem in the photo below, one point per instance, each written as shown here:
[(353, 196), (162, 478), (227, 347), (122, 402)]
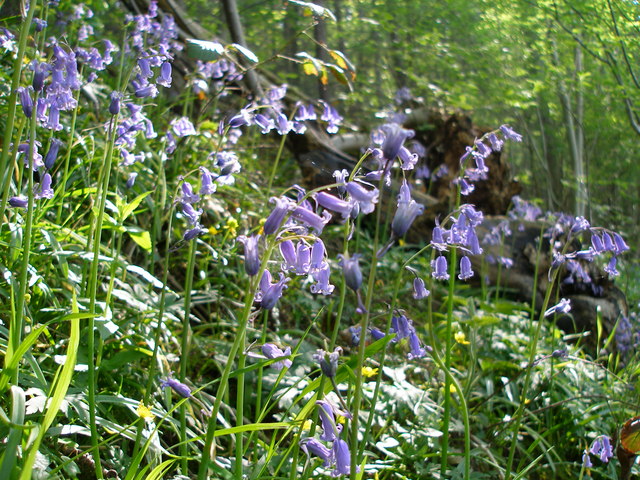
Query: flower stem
[(184, 357)]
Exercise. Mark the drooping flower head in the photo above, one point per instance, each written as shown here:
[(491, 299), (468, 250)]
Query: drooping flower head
[(251, 253), (180, 388)]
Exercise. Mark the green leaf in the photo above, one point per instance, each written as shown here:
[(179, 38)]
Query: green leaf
[(10, 455), (131, 206), (59, 388), (244, 51), (161, 470), (315, 10), (204, 50), (141, 237)]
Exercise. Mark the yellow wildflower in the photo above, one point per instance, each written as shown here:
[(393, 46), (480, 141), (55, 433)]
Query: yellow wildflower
[(144, 412), (369, 372), (213, 230), (232, 226), (461, 338)]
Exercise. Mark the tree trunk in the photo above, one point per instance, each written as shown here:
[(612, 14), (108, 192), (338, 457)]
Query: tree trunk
[(573, 127), (237, 36), (320, 33)]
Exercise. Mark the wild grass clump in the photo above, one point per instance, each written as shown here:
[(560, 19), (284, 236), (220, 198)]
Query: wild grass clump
[(176, 305)]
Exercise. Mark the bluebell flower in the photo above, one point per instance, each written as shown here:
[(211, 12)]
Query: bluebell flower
[(193, 233), (272, 351), (269, 293), (466, 188), (482, 148), (182, 127), (207, 185), (318, 252), (52, 154), (311, 219), (19, 202), (596, 242), (188, 195), (509, 134), (131, 179), (579, 225), (439, 268), (335, 204), (283, 125), (366, 199), (180, 388), (229, 165), (465, 268), (164, 78), (415, 345), (44, 190), (298, 260), (619, 244), (342, 458), (586, 459), (265, 123), (355, 335), (401, 326), (305, 112), (601, 447), (608, 242), (331, 116), (145, 91), (472, 242), (437, 239), (288, 252), (405, 215), (610, 267), (37, 162), (317, 448), (40, 72), (496, 143), (26, 101), (191, 214), (407, 158), (322, 285), (394, 139), (564, 306), (351, 270), (376, 333), (328, 362), (419, 289), (276, 217), (251, 253)]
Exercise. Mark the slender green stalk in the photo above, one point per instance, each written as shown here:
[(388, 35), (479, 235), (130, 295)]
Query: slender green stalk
[(103, 191), (533, 344), (6, 190), (184, 357), (67, 158), (17, 324), (240, 407), (208, 451), (275, 166), (364, 325), (444, 463), (12, 102), (157, 334)]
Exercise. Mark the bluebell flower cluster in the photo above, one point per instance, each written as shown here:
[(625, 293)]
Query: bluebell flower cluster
[(403, 327), (461, 235), (337, 455), (600, 447), (268, 115), (214, 76)]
